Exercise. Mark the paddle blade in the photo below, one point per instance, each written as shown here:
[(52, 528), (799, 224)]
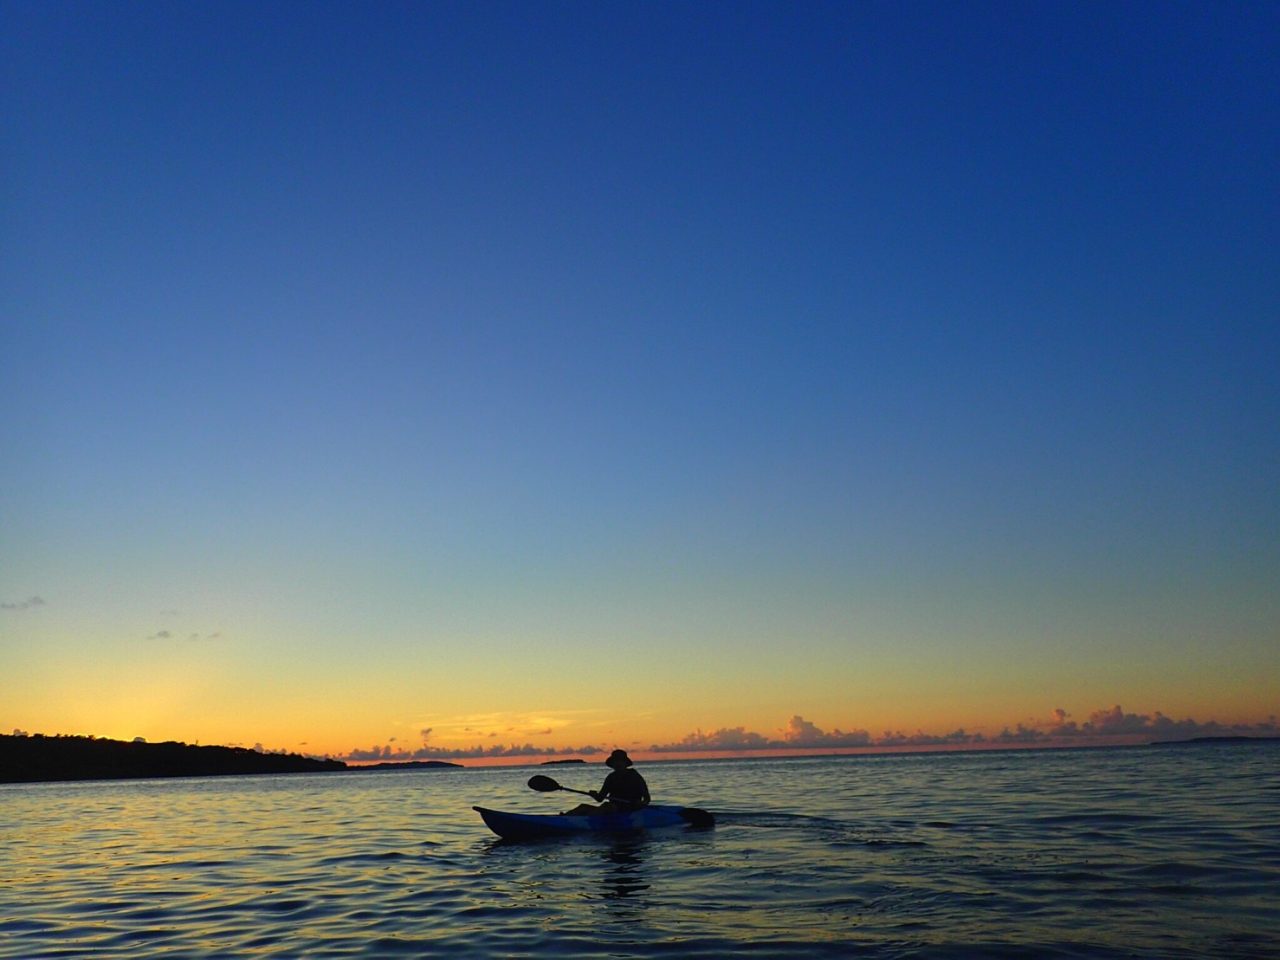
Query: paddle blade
[(698, 819), (543, 784)]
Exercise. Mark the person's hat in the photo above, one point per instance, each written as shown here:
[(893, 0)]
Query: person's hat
[(618, 759)]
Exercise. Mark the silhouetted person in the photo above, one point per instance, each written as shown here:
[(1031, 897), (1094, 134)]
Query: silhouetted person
[(623, 789)]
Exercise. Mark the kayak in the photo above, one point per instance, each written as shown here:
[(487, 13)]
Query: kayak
[(530, 826)]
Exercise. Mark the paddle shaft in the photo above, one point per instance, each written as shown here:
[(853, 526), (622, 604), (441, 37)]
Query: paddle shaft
[(547, 785)]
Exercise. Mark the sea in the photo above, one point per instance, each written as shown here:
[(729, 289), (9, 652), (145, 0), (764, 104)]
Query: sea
[(1144, 852)]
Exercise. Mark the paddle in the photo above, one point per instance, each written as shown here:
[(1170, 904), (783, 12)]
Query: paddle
[(547, 785)]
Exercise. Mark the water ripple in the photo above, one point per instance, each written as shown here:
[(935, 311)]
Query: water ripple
[(1125, 853)]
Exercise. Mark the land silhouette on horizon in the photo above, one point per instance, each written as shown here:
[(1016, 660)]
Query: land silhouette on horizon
[(36, 757), (408, 765)]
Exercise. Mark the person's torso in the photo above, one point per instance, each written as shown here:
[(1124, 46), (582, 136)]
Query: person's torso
[(625, 785)]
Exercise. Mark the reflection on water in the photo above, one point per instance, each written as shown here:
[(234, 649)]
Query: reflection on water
[(1142, 853), (624, 874)]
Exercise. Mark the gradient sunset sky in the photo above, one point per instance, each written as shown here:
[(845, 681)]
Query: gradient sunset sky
[(483, 375)]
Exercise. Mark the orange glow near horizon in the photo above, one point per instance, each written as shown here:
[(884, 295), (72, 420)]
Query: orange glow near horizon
[(639, 757), (534, 737)]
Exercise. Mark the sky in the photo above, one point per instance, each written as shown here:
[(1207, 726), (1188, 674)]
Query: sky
[(516, 379)]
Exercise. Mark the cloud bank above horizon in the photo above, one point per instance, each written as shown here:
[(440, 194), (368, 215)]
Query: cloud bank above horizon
[(800, 734)]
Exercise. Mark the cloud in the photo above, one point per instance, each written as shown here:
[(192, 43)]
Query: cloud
[(1021, 734), (1113, 722), (726, 738), (501, 734), (896, 738), (1116, 721), (426, 752), (194, 637), (800, 733), (506, 724), (373, 753), (800, 729), (27, 604), (429, 752)]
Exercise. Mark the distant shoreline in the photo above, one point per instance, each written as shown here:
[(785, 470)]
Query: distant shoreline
[(1205, 741), (407, 765), (39, 758)]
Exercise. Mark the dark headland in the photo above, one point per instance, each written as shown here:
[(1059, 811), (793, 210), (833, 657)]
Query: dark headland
[(36, 758), (28, 759)]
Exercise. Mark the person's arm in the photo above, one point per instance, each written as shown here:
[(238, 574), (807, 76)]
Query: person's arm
[(603, 793)]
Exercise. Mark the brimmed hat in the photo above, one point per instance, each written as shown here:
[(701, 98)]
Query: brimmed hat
[(618, 759)]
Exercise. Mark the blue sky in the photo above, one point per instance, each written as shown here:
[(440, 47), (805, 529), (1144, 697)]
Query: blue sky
[(831, 356)]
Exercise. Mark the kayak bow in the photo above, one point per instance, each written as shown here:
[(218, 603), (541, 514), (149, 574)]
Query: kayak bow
[(530, 826)]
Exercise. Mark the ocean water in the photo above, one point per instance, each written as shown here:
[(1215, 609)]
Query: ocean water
[(1159, 852)]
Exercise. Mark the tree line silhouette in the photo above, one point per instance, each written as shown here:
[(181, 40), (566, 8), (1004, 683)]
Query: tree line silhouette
[(28, 759)]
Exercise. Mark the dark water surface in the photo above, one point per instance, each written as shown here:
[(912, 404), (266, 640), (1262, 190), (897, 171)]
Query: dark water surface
[(1163, 852)]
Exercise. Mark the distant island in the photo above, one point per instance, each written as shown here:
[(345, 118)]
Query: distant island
[(1200, 741), (34, 758), (560, 763), (409, 765)]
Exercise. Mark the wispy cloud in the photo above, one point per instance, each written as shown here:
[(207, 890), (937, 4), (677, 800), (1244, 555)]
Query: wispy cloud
[(529, 723), (28, 604), (516, 728), (193, 637)]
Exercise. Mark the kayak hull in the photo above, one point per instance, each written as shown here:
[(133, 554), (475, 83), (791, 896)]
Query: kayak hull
[(530, 826)]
